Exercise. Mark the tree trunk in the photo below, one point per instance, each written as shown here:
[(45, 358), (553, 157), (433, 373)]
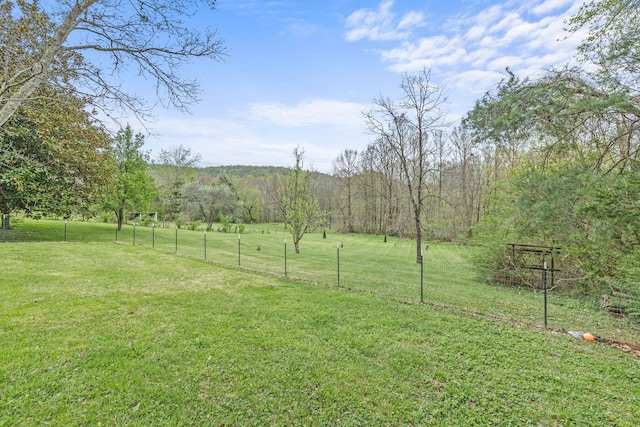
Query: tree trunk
[(119, 218), (418, 237)]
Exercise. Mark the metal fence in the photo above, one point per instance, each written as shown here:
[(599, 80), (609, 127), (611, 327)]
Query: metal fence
[(447, 277)]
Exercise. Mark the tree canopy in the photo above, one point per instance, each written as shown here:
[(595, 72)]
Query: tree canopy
[(211, 202), (53, 157), (86, 46), (134, 188)]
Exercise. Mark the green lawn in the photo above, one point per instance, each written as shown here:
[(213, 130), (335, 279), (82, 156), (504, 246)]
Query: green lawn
[(104, 334), (366, 263)]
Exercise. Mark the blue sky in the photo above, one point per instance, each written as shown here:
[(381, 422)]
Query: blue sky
[(301, 72)]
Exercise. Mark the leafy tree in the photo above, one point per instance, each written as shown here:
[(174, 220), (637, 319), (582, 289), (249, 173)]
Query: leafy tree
[(210, 202), (46, 41), (576, 183), (53, 156), (251, 203), (612, 42), (134, 187), (301, 209)]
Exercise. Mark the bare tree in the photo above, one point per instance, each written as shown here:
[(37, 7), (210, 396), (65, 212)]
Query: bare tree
[(470, 178), (175, 166), (407, 126), (385, 163), (48, 41), (346, 169)]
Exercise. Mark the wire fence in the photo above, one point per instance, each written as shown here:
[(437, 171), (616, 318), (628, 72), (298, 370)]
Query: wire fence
[(446, 278)]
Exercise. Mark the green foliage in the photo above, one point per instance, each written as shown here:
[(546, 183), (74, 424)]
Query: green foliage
[(301, 209), (612, 41), (193, 225), (574, 180), (134, 187), (225, 224), (180, 220), (53, 157), (176, 167), (210, 203)]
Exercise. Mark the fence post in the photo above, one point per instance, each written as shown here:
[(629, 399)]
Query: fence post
[(421, 276), (238, 250), (544, 284), (338, 248), (205, 244)]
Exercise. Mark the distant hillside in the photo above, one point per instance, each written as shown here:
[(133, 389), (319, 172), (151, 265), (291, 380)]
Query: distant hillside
[(234, 173), (242, 171)]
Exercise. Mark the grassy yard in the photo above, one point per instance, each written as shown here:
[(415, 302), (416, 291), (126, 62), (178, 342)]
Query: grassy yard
[(112, 334), (362, 262)]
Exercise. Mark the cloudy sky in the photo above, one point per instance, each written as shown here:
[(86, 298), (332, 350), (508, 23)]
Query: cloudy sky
[(301, 72)]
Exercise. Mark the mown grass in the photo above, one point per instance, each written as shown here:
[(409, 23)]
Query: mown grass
[(362, 262), (104, 334)]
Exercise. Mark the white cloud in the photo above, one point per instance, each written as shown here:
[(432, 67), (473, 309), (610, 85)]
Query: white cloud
[(381, 24), (431, 52), (491, 39), (411, 19), (548, 6), (310, 112)]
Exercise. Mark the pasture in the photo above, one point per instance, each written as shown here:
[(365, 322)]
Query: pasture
[(118, 334)]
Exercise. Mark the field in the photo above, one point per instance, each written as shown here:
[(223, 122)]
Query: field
[(119, 334)]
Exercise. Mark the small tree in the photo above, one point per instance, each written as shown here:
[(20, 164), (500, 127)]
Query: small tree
[(210, 203), (301, 209), (134, 187)]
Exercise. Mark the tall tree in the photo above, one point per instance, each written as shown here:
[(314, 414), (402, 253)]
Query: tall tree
[(408, 126), (46, 42), (53, 157), (469, 173), (346, 169), (301, 210), (175, 167), (134, 187)]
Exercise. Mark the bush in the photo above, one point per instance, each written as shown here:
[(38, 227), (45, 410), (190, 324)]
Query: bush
[(107, 217), (225, 224), (180, 221), (193, 225)]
